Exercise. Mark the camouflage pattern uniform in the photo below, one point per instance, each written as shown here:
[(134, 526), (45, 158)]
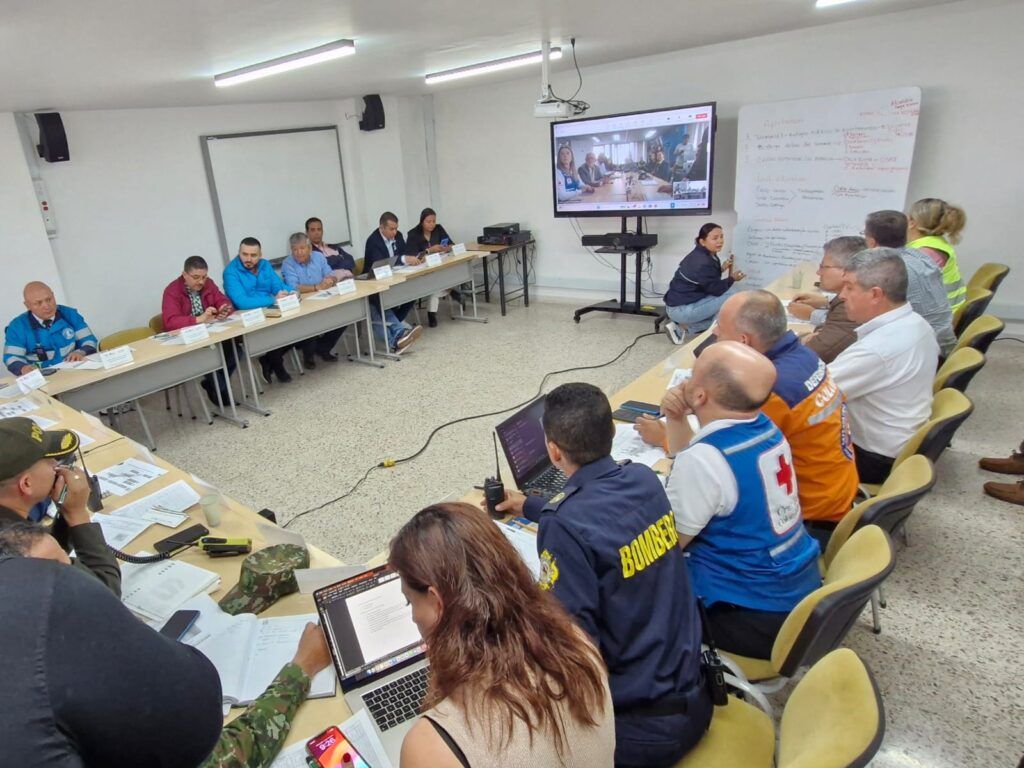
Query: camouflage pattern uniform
[(253, 739)]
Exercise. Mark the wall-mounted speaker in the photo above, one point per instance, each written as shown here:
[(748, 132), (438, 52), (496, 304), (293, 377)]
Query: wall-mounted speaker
[(53, 142), (373, 113)]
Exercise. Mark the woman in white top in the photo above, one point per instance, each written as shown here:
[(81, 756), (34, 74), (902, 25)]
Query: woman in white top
[(513, 682), (568, 185)]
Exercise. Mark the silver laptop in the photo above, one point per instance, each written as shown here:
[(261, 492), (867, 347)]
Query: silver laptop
[(378, 651)]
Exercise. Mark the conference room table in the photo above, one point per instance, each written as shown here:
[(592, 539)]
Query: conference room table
[(50, 413), (623, 188)]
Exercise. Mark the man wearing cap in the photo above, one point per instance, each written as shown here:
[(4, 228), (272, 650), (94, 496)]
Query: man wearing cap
[(31, 473), (47, 334)]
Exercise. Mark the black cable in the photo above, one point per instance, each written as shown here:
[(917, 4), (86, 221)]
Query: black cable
[(578, 105), (430, 437), (1009, 338)]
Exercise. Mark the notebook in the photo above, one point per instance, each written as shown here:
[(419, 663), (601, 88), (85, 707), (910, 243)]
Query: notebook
[(249, 652), (156, 590)]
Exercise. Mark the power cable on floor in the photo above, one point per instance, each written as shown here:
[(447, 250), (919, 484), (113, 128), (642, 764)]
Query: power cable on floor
[(387, 463)]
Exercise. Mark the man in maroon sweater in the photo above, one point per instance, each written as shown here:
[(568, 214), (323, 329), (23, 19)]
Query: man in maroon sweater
[(195, 298)]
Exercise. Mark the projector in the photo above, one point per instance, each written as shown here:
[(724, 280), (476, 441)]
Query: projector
[(549, 109)]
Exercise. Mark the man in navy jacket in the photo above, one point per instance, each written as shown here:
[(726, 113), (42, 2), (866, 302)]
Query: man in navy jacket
[(386, 246)]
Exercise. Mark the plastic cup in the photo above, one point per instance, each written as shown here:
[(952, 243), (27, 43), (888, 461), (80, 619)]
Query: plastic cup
[(797, 279), (212, 509)]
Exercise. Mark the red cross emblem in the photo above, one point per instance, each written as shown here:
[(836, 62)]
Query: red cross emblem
[(785, 475)]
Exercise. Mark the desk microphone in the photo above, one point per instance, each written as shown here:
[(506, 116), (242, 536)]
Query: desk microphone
[(494, 489)]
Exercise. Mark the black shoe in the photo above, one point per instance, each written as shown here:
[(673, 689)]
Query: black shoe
[(282, 375), (267, 369), (328, 357), (432, 319), (455, 295), (308, 361)]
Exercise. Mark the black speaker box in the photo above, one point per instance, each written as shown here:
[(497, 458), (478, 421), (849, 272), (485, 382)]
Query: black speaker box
[(53, 142), (373, 113)]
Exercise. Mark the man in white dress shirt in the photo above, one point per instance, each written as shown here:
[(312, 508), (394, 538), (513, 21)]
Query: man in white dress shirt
[(887, 373)]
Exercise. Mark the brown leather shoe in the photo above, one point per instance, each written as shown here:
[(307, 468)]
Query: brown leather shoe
[(1011, 492), (1011, 466)]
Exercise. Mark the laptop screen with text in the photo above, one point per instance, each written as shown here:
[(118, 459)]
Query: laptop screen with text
[(522, 439)]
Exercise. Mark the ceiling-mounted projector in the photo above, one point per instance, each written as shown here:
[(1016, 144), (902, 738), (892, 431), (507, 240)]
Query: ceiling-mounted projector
[(550, 109)]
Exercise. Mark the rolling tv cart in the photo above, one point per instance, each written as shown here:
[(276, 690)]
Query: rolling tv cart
[(621, 306)]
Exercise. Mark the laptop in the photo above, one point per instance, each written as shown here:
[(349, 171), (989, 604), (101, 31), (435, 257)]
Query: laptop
[(378, 652), (522, 438)]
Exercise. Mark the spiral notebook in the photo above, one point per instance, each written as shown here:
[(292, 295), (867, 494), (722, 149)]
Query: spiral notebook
[(156, 590)]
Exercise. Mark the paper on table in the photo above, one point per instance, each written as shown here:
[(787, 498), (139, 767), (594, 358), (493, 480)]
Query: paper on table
[(382, 620), (217, 326), (211, 621), (17, 408), (128, 476), (274, 646), (79, 365), (312, 579), (362, 734), (275, 534), (11, 390), (83, 439), (628, 444), (293, 756), (43, 423), (166, 507), (679, 376), (156, 590), (119, 531), (525, 544)]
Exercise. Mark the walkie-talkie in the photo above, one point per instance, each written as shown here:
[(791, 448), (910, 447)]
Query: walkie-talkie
[(494, 489)]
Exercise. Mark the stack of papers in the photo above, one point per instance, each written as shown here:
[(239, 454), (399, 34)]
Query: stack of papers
[(628, 444), (166, 507), (130, 475), (154, 591), (120, 531), (17, 408)]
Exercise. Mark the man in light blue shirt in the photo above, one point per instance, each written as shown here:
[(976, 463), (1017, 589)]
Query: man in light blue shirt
[(250, 282), (307, 271)]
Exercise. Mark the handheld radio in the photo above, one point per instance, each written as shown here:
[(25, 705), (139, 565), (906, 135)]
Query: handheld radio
[(494, 489)]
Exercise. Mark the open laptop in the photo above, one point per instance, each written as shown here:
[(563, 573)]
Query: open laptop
[(377, 650), (522, 439)]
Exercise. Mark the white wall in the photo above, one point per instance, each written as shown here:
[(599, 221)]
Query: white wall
[(134, 201), (24, 250), (964, 56)]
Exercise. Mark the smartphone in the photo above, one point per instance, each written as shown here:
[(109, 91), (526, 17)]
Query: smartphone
[(181, 539), (331, 749), (444, 241), (179, 624)]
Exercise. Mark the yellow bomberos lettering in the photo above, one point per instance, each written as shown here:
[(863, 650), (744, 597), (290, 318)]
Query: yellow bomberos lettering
[(649, 546)]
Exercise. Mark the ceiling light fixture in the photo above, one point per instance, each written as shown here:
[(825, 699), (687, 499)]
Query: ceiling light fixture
[(490, 66), (327, 52), (830, 3)]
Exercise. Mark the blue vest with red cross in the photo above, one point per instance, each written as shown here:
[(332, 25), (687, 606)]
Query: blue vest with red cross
[(758, 556)]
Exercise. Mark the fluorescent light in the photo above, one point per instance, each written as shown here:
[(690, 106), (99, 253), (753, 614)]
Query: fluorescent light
[(830, 3), (650, 134), (491, 66), (327, 52)]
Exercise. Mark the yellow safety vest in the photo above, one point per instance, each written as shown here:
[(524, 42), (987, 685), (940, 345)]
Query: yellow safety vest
[(956, 291)]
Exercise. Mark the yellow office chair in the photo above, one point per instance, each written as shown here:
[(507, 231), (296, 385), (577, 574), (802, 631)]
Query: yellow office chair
[(906, 485), (833, 719), (988, 275), (156, 323), (958, 370), (950, 409), (819, 623), (113, 341), (980, 334), (974, 306)]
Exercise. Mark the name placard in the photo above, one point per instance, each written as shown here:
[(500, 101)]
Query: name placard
[(459, 248), (288, 304), (383, 273), (192, 334), (32, 380), (434, 259), (346, 286), (252, 317), (115, 358)]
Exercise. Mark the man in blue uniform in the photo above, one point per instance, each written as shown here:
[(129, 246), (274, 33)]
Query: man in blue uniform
[(609, 551), (47, 334)]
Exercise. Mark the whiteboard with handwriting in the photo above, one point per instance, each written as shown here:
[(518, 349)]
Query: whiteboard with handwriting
[(809, 170)]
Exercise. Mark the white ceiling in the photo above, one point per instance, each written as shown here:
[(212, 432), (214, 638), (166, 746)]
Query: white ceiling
[(95, 54)]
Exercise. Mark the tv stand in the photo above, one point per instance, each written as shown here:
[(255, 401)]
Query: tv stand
[(621, 306)]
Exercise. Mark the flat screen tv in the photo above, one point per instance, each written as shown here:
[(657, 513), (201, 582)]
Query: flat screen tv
[(657, 162)]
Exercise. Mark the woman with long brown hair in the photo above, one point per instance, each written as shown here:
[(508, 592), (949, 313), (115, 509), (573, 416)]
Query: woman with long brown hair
[(512, 680)]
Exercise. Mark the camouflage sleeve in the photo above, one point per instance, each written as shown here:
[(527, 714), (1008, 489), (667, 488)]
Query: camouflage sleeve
[(253, 739)]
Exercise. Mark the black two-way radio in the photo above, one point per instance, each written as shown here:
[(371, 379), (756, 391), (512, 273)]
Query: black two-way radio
[(494, 489)]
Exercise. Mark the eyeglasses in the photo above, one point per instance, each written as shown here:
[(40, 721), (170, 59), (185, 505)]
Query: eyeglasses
[(823, 265)]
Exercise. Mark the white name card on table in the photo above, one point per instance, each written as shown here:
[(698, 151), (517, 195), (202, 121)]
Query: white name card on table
[(191, 334), (383, 273), (434, 259), (115, 358), (31, 380), (288, 304), (345, 286), (459, 248), (252, 317)]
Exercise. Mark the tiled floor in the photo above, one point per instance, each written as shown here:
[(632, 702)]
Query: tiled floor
[(954, 628)]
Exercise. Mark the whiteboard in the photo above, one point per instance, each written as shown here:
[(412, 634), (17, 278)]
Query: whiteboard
[(811, 169), (266, 184)]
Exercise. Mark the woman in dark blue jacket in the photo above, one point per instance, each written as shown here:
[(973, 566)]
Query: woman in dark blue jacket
[(698, 290)]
